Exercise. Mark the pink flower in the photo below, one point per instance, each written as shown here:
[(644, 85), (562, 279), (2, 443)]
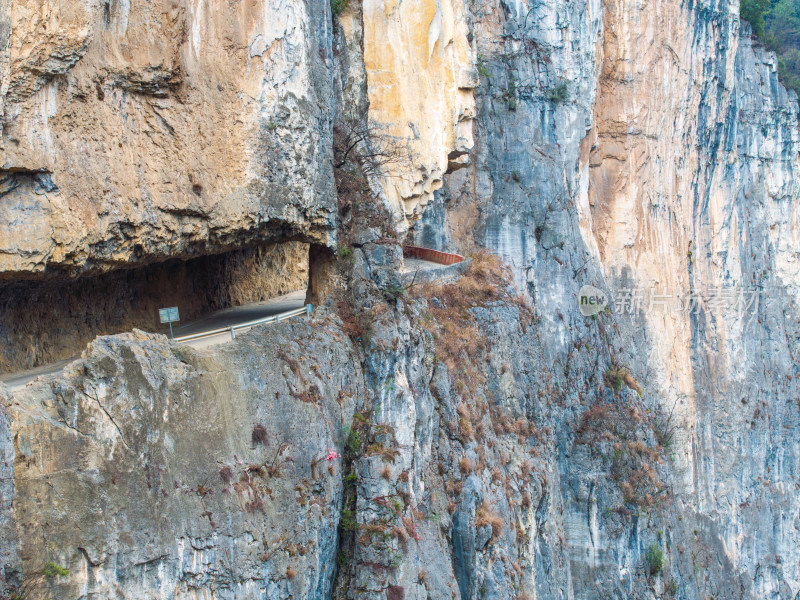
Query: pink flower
[(332, 454)]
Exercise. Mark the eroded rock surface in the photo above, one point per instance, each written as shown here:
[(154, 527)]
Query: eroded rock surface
[(421, 71), (147, 131), (494, 442), (151, 470)]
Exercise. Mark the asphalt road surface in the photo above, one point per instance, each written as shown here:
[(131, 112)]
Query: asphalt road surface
[(215, 320)]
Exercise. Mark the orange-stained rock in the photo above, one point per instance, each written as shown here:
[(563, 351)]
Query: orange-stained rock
[(134, 132), (421, 75)]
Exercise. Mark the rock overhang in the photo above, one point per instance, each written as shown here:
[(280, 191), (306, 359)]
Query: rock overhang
[(132, 134)]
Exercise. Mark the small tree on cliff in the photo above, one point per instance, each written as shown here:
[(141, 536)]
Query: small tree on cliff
[(375, 151)]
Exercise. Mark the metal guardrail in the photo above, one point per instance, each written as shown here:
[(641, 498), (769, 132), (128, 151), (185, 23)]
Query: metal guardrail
[(306, 310)]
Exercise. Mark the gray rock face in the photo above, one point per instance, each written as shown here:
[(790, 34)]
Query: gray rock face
[(678, 178), (495, 443), (152, 470)]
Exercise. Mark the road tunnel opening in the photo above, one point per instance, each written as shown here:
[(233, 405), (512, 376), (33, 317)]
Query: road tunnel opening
[(45, 321)]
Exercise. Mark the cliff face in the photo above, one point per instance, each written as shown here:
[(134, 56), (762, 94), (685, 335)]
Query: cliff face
[(421, 71), (475, 439), (667, 174), (139, 132), (697, 200), (156, 451)]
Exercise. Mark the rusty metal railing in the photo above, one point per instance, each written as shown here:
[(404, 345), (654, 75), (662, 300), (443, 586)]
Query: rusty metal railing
[(442, 258)]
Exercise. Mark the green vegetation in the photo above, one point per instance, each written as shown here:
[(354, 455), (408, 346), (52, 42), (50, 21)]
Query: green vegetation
[(339, 6), (353, 442), (483, 70), (510, 95), (655, 559), (559, 92), (777, 24), (393, 292), (615, 377), (754, 11), (52, 570), (348, 521)]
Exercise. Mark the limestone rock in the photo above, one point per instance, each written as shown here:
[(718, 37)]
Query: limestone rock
[(152, 469), (421, 73), (140, 132)]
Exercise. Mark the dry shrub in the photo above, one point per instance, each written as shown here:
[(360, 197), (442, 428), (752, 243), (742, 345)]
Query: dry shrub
[(463, 410), (465, 465), (377, 529), (294, 365), (498, 427), (259, 435), (465, 427), (342, 396), (452, 507), (387, 454), (616, 376), (521, 427), (401, 534), (311, 395), (486, 516), (291, 573), (616, 432), (503, 423), (352, 325), (517, 568), (256, 504), (395, 592), (226, 474), (520, 536), (458, 340), (386, 473), (405, 496)]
